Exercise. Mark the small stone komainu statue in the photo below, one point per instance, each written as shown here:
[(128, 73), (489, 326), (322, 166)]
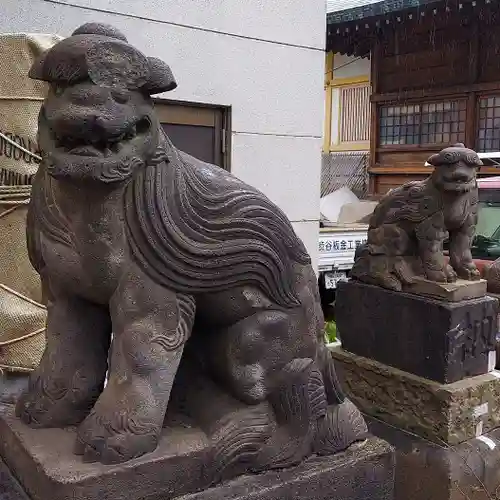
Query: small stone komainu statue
[(410, 224), (209, 293)]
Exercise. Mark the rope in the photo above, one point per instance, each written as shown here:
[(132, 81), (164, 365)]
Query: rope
[(9, 211), (21, 296), (10, 368), (17, 196), (18, 146), (21, 98), (14, 195), (10, 195), (16, 203), (24, 337), (30, 301)]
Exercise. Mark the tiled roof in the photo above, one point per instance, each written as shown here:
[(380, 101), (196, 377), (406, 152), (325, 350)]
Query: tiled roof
[(355, 10), (353, 25), (338, 5)]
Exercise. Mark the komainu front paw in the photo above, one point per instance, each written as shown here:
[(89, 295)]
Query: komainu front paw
[(468, 271), (451, 275), (440, 276), (52, 404), (115, 438)]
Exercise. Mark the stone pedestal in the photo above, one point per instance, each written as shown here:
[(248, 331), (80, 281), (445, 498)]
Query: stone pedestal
[(441, 413), (363, 472), (9, 487), (436, 339), (423, 369), (427, 471), (43, 462)]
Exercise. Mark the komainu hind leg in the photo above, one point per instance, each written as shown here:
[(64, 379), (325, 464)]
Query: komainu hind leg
[(376, 270)]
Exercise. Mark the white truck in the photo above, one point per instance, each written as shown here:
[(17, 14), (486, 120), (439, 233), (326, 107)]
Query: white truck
[(337, 245)]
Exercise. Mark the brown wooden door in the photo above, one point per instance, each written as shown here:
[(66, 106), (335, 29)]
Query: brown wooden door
[(199, 130)]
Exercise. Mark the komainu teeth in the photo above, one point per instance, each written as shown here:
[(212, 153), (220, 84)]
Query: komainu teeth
[(131, 133), (109, 145)]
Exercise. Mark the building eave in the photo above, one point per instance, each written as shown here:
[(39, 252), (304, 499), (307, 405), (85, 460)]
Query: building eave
[(375, 9), (354, 31)]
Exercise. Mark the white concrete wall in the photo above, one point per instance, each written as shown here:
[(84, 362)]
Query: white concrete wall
[(264, 58)]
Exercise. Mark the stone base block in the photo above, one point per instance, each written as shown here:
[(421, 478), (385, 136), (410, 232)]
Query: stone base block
[(445, 414), (451, 292), (43, 462), (364, 472), (427, 471), (435, 339), (9, 487)]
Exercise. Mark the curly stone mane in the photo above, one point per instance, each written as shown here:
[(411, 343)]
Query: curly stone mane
[(195, 228)]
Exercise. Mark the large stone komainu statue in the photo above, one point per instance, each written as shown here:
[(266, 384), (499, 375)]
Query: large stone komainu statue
[(208, 292)]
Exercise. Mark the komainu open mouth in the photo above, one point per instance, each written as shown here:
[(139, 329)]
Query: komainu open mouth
[(460, 181), (101, 146)]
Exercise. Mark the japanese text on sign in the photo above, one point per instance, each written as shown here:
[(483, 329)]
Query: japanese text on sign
[(337, 245)]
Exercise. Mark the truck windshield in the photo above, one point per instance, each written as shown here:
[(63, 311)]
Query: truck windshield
[(486, 243)]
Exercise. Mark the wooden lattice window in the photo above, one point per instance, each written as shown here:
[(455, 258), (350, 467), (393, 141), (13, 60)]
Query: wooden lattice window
[(488, 134), (354, 114), (399, 125), (440, 122)]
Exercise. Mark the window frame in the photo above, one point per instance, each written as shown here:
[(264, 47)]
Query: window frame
[(479, 97), (218, 117), (420, 103), (342, 115)]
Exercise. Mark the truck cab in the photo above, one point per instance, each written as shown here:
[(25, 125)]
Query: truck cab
[(486, 243)]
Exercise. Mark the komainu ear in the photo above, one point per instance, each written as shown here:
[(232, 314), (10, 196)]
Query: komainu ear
[(473, 160), (434, 161), (161, 78), (65, 62)]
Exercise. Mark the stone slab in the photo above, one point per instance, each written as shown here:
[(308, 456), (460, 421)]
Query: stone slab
[(438, 340), (364, 472), (450, 292), (10, 489), (445, 414), (43, 462), (427, 471)]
